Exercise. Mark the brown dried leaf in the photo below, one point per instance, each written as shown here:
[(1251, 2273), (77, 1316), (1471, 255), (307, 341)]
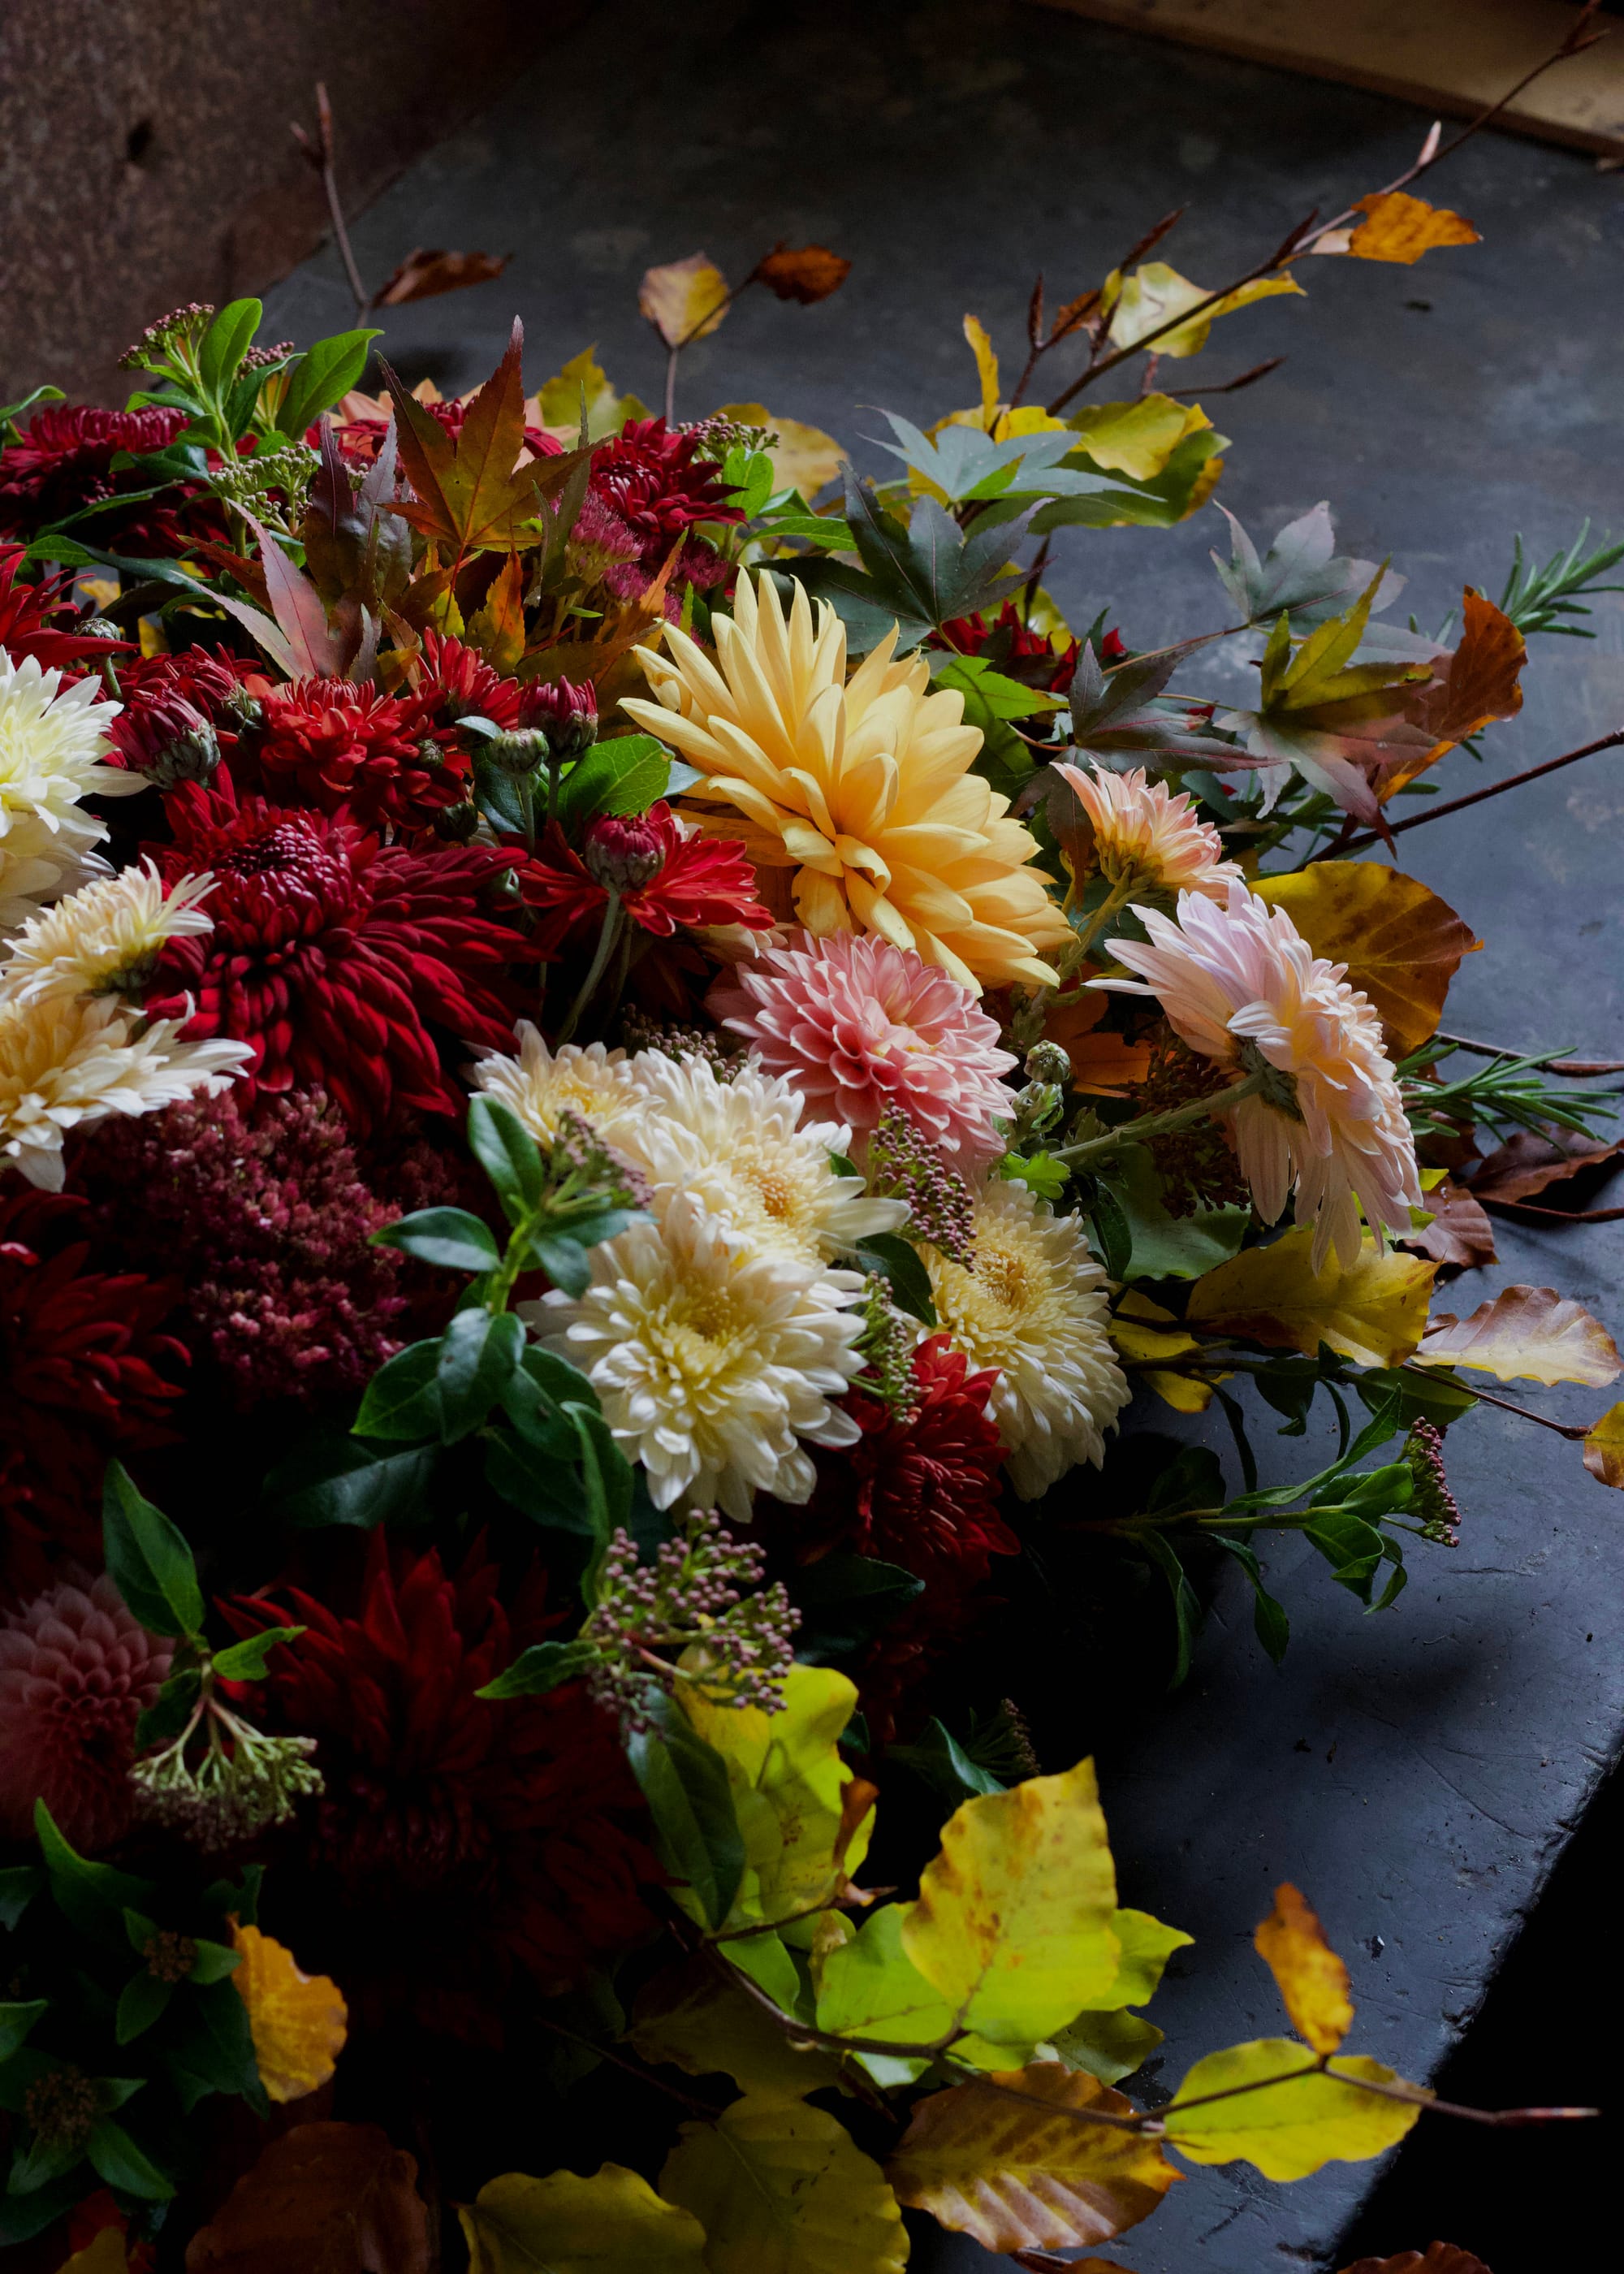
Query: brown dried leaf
[(424, 274), (1440, 2258), (1398, 227), (1311, 1978), (1400, 943), (324, 2199), (805, 272), (1026, 2174), (1526, 1164), (1530, 1334), (1603, 1448), (685, 300), (1460, 1234)]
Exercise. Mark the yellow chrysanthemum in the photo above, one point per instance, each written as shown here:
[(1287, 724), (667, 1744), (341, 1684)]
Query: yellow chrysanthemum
[(863, 787)]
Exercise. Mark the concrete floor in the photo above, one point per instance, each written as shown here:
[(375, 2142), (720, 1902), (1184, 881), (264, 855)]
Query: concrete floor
[(1417, 1774)]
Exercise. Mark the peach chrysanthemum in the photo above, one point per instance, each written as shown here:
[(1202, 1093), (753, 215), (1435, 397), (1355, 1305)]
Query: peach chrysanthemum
[(858, 1025), (1030, 1304), (1241, 985), (1149, 837), (862, 787), (105, 938), (539, 1084)]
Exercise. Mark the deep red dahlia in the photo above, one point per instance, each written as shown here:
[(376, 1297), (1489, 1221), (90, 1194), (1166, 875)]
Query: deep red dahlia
[(63, 460), (667, 881), (334, 955), (1012, 647), (651, 480), (346, 749), (176, 707), (456, 680), (458, 1840), (84, 1372), (38, 620)]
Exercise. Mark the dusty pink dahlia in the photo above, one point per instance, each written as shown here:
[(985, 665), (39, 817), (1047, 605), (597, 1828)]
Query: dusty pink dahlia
[(859, 1025), (75, 1673)]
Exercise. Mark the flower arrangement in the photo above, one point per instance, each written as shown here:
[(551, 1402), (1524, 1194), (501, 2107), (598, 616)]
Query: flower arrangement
[(618, 1051)]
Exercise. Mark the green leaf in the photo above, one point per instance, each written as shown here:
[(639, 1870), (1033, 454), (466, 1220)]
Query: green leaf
[(1162, 501), (1283, 2113), (323, 376), (534, 1396), (402, 1397), (541, 1668), (226, 342), (564, 1259), (448, 1238), (142, 2001), (1165, 1247), (1436, 1397), (11, 412), (1269, 1621), (541, 1486), (780, 2186), (626, 775), (508, 1153), (15, 2021), (478, 1355), (22, 2217), (169, 1713), (870, 1988), (246, 1661), (845, 1600), (1113, 1240), (346, 1484), (605, 1471), (1048, 1176), (91, 1897), (1109, 2045), (898, 1262), (613, 2223), (939, 1758), (212, 1963), (748, 474), (148, 1560), (116, 2159), (1186, 1605), (41, 2162), (216, 2054), (19, 1884), (686, 1784)]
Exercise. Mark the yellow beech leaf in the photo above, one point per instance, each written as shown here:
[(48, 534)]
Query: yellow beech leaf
[(1603, 1448), (104, 2254), (1137, 438), (1529, 1334), (780, 2187), (611, 2224), (685, 300), (694, 2017), (804, 458), (1309, 1975), (1013, 1920), (1028, 2173), (1294, 2118), (1156, 292), (1398, 227), (987, 368), (1145, 1945), (1186, 1393), (298, 2021), (1400, 942), (1373, 1314), (1107, 2044)]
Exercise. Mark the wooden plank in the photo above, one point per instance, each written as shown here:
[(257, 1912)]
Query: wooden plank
[(1450, 56)]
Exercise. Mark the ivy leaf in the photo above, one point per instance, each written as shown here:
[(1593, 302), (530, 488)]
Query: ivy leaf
[(542, 1667), (686, 1786), (246, 1661), (898, 1262), (1292, 2118), (1528, 1334), (780, 2187), (1373, 1312), (478, 1355), (613, 2223), (1033, 2177), (448, 1238), (1311, 1978), (148, 1560)]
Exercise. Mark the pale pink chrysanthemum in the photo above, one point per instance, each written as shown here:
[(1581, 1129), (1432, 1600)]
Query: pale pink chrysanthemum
[(1242, 986), (1148, 836), (76, 1673), (858, 1025)]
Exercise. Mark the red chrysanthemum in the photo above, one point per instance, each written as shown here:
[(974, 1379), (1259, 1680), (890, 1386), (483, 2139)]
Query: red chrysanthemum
[(1012, 647), (667, 882), (346, 749), (334, 955), (63, 460), (458, 1839), (38, 620), (649, 479), (170, 700), (456, 681), (76, 1673), (83, 1372)]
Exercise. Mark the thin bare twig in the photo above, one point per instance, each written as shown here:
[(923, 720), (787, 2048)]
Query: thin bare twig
[(1473, 797), (1230, 385), (318, 152), (1487, 1397)]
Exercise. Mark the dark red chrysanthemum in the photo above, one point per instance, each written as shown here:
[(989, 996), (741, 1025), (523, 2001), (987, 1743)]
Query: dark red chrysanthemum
[(651, 482), (667, 881), (458, 1839), (346, 749), (84, 1372), (456, 681), (38, 620), (63, 460), (334, 955), (174, 704), (1012, 647)]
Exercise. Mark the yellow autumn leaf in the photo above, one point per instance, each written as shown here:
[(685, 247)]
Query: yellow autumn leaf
[(1373, 1312), (780, 2187), (692, 2016), (1311, 1978), (1144, 1947), (1398, 227), (1012, 1924), (298, 2021), (685, 300), (104, 2254), (1293, 2119), (1137, 438), (1400, 943), (986, 366), (1156, 292), (556, 403), (1603, 1448), (611, 2224), (804, 458), (1528, 1334), (1029, 2173), (1109, 2044)]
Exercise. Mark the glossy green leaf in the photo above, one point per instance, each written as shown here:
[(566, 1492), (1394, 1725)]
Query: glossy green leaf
[(323, 376), (148, 1560), (686, 1784), (402, 1398), (226, 342), (508, 1153), (541, 1668), (115, 2158), (898, 1261), (246, 1661), (478, 1355), (449, 1237)]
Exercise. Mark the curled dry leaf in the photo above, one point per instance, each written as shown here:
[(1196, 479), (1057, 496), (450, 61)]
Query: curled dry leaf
[(685, 300), (423, 275), (1603, 1448), (1029, 2173), (1312, 1979), (324, 2199), (1460, 1234), (1400, 943), (1440, 2258), (1530, 1334), (1398, 227), (298, 2021), (804, 271), (1483, 680), (1373, 1312), (1525, 1164)]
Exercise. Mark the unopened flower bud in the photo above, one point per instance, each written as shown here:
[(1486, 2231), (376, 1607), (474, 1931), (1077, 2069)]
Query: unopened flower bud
[(97, 627), (456, 824), (623, 851), (1048, 1062), (519, 753), (191, 756), (565, 713), (243, 707)]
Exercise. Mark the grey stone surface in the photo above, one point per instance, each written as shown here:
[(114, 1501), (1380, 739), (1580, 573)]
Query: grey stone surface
[(1417, 1773)]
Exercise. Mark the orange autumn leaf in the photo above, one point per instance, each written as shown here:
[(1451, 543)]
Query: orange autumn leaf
[(1103, 1063), (1397, 226), (1400, 942), (805, 272), (1311, 1980), (424, 274), (298, 2021)]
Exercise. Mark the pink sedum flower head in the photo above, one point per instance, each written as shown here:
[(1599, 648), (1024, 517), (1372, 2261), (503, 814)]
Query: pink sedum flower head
[(1241, 985), (858, 1025), (76, 1673), (1148, 836)]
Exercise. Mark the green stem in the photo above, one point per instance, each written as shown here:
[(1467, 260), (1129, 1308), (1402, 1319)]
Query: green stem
[(601, 958), (1119, 897), (1159, 1125)]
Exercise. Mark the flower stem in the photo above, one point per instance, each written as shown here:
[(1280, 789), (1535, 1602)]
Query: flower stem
[(601, 958), (1159, 1125), (1120, 893)]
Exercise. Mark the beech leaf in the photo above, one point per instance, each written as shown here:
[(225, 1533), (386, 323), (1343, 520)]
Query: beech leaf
[(780, 2187), (1293, 2119), (424, 273), (1438, 2258), (1155, 292), (611, 2224), (325, 2198), (1398, 227), (1460, 1233), (1310, 1976), (1373, 1312), (685, 300), (1483, 680), (1529, 1334), (1400, 943), (1033, 2177), (298, 2021), (805, 272), (694, 2017), (1603, 1448), (1527, 1163)]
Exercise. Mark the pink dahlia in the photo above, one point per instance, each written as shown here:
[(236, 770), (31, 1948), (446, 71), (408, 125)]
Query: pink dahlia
[(859, 1025), (76, 1673)]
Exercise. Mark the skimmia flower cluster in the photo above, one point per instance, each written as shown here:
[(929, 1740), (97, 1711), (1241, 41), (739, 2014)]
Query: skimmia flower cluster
[(624, 1068)]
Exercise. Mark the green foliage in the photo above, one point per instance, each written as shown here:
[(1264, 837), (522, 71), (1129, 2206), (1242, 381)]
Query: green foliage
[(1499, 1095), (1539, 600)]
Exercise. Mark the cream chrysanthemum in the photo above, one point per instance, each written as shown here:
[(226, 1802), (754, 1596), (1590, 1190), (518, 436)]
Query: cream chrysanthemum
[(740, 1148), (1240, 984), (1146, 837), (77, 1059), (105, 938), (539, 1084), (716, 1360), (51, 750), (1031, 1304), (862, 787)]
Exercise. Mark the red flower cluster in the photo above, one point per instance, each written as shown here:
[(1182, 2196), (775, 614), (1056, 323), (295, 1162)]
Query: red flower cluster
[(63, 460), (84, 1372), (648, 478), (666, 881), (334, 955), (179, 708), (38, 620), (457, 1839)]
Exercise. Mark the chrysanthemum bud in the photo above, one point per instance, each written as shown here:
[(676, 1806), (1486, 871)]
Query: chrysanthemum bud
[(456, 824), (565, 713), (191, 756), (1048, 1062), (623, 851), (97, 627), (518, 753)]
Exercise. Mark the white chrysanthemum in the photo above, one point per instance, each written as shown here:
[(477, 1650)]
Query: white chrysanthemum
[(51, 750), (596, 1084), (105, 938), (741, 1147), (78, 1059), (716, 1360), (1032, 1305), (1240, 984)]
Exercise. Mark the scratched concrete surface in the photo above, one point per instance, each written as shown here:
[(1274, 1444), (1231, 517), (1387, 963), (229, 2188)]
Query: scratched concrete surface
[(1418, 1773)]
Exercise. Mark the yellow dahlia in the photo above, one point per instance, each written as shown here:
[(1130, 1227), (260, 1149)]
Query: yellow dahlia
[(105, 938), (862, 786), (596, 1085), (1147, 839), (1032, 1305)]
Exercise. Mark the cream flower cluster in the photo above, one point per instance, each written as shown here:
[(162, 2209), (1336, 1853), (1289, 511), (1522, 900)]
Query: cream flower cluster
[(52, 754)]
